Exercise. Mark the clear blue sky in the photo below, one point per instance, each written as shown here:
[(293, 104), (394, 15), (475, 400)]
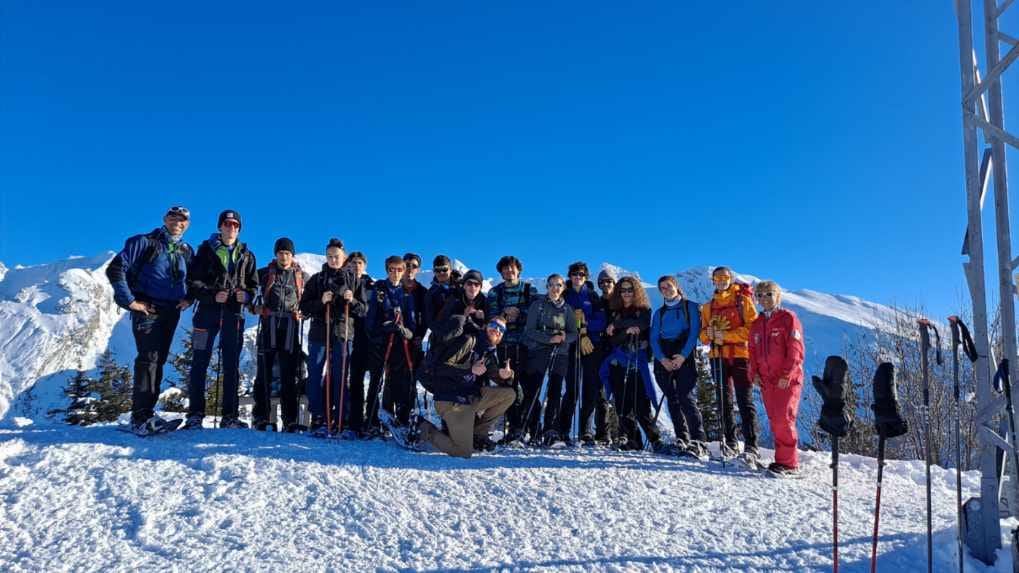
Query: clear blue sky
[(818, 143)]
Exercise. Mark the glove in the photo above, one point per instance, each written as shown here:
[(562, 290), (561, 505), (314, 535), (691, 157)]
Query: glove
[(834, 389), (406, 332), (579, 315), (586, 347), (887, 420)]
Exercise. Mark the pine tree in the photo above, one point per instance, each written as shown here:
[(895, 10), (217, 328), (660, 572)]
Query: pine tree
[(82, 408), (113, 387)]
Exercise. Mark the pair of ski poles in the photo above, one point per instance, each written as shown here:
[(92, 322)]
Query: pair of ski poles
[(327, 374)]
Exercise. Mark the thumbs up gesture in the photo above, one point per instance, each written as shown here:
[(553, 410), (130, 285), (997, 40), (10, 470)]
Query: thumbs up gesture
[(506, 372)]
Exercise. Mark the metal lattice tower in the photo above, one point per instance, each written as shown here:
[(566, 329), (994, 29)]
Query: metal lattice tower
[(985, 138)]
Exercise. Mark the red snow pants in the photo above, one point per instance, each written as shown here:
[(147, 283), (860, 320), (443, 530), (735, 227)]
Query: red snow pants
[(782, 404)]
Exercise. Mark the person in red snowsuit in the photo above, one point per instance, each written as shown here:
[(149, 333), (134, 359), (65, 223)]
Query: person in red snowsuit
[(776, 365)]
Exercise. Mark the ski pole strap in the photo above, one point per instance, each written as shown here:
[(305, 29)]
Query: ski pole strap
[(1002, 381), (960, 334), (925, 339)]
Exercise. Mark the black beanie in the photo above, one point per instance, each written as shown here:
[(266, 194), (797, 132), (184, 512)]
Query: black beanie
[(283, 244), (229, 215)]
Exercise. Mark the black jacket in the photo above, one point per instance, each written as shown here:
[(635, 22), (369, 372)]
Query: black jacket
[(438, 293), (335, 281), (625, 318), (420, 295), (208, 275), (282, 295), (457, 304), (452, 355)]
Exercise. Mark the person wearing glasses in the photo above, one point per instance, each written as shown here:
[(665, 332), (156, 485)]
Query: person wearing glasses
[(551, 328), (776, 365), (149, 279), (223, 279), (470, 385), (725, 325), (606, 422), (630, 379), (390, 322), (441, 288), (675, 327), (510, 299), (419, 293), (362, 360), (467, 301), (582, 372)]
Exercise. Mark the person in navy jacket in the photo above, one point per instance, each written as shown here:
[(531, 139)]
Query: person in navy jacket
[(391, 326)]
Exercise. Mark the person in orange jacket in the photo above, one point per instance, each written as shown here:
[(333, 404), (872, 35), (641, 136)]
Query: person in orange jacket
[(776, 365), (725, 325)]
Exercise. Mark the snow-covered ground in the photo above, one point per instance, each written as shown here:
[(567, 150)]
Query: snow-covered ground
[(98, 498)]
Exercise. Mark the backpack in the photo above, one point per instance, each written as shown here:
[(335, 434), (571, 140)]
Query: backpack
[(154, 248), (270, 279)]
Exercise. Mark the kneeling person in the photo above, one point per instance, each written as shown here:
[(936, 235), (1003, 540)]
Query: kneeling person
[(464, 369)]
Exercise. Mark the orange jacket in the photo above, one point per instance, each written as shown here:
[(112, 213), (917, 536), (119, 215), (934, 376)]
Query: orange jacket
[(737, 306)]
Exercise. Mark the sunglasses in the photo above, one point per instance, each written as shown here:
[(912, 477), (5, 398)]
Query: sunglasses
[(395, 270), (764, 294), (581, 275), (626, 290), (413, 266), (234, 224), (440, 270), (179, 212), (496, 325), (606, 282), (472, 283)]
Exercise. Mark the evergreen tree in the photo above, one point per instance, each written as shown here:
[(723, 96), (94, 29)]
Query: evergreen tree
[(707, 401), (81, 409), (113, 387)]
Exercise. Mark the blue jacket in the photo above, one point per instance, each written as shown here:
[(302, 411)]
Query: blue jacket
[(594, 313), (678, 322), (382, 305), (151, 268)]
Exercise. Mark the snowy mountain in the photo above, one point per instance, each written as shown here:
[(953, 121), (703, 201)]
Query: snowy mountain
[(59, 316)]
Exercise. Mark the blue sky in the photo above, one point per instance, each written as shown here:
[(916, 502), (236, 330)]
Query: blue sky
[(818, 143)]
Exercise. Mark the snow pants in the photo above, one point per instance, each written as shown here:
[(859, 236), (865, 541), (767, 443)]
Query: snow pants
[(208, 322), (464, 421), (782, 406), (735, 371), (678, 387), (399, 387), (283, 351), (153, 335), (317, 383), (592, 399), (362, 362)]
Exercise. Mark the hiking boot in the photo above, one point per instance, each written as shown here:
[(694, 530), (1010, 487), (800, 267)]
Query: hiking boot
[(483, 444), (232, 423), (550, 438), (262, 425), (295, 428), (727, 452), (695, 449), (154, 425), (779, 470), (750, 459), (193, 423), (569, 442), (680, 444), (587, 440), (512, 437), (662, 448)]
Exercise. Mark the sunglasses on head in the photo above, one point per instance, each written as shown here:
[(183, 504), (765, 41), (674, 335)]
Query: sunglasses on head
[(496, 325), (179, 211)]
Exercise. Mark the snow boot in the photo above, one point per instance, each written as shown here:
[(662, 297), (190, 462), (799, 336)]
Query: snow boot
[(696, 450), (154, 425), (483, 444), (404, 436), (193, 423), (778, 470), (587, 440), (263, 425), (751, 460), (550, 438), (232, 423)]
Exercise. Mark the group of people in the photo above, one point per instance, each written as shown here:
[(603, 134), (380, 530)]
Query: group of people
[(511, 355)]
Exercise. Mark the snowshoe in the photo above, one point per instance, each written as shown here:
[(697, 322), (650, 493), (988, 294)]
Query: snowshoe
[(550, 438), (569, 442), (193, 423), (348, 435), (318, 431), (263, 425), (587, 440), (295, 428), (662, 448), (405, 437), (726, 452), (751, 460), (483, 444), (778, 470), (372, 434), (232, 423), (155, 425), (513, 438), (695, 450)]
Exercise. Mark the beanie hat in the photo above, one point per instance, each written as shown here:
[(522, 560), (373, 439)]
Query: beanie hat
[(473, 275), (283, 244), (606, 274), (229, 215)]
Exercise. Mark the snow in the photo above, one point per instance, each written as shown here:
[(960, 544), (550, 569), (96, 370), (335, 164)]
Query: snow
[(99, 498)]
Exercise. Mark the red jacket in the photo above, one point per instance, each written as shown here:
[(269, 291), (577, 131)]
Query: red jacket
[(776, 347)]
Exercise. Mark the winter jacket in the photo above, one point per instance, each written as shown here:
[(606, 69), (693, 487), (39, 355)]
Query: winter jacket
[(521, 296), (736, 306), (335, 281), (587, 299), (151, 268), (419, 293), (675, 328), (216, 268), (451, 357), (625, 318), (457, 305), (545, 319), (776, 347), (384, 303), (436, 298), (362, 341)]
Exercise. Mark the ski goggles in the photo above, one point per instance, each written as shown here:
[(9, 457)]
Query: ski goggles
[(179, 211), (496, 325)]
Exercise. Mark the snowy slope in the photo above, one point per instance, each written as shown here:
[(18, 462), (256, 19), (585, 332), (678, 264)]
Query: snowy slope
[(56, 316), (100, 499)]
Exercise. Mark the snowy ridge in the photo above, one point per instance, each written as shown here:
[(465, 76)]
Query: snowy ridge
[(56, 316)]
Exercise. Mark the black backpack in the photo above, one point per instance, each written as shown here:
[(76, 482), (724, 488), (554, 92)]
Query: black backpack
[(153, 248)]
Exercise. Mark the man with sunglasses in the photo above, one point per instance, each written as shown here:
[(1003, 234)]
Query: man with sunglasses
[(222, 278), (776, 365), (470, 385), (149, 279), (390, 323), (725, 325), (441, 289), (511, 299), (582, 373), (419, 293)]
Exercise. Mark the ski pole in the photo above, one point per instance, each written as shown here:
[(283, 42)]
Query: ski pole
[(925, 345), (343, 366), (877, 503), (719, 376), (541, 385), (327, 374), (835, 502), (960, 337), (219, 371)]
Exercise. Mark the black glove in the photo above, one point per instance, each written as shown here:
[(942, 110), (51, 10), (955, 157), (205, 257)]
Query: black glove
[(887, 420), (834, 389)]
